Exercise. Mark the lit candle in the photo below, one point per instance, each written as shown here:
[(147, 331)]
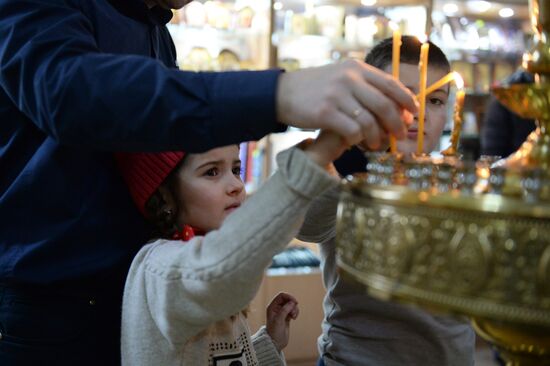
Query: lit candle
[(396, 50), (422, 79), (457, 116)]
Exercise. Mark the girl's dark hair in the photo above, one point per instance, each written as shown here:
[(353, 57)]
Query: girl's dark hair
[(381, 55), (159, 213)]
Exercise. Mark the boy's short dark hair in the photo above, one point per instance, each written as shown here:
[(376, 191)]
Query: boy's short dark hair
[(381, 55)]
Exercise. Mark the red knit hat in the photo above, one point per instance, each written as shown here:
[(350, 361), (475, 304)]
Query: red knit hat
[(145, 172)]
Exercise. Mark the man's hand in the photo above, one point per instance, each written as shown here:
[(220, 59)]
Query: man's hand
[(353, 99), (280, 311)]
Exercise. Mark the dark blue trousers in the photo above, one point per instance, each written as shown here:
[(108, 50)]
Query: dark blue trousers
[(56, 326)]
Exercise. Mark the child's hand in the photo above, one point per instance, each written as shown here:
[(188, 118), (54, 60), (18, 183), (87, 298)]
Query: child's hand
[(282, 308), (326, 148)]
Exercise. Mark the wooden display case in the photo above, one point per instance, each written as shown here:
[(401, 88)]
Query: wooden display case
[(307, 286)]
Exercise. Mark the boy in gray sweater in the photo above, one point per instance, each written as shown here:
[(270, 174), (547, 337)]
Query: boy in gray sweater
[(358, 329)]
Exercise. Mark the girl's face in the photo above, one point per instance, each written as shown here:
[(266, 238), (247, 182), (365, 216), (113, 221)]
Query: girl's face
[(209, 188), (436, 110)]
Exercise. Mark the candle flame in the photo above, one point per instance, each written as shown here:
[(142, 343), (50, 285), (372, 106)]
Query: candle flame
[(484, 173), (459, 82), (423, 38)]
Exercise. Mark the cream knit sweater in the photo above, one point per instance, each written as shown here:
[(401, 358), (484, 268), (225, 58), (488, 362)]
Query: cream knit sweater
[(179, 299)]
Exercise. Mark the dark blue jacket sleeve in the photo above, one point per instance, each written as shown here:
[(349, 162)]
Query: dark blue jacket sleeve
[(52, 70), (496, 134), (503, 131)]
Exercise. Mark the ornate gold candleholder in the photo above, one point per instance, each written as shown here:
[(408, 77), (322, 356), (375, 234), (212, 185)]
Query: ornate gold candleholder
[(463, 237), (483, 255)]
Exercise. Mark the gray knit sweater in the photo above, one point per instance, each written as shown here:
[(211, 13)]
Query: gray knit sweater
[(179, 298), (359, 330)]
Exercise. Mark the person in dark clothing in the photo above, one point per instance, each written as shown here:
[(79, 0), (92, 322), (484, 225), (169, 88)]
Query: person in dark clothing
[(81, 79), (504, 131)]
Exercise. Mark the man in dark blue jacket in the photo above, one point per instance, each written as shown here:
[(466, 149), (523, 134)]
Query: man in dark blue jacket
[(80, 79), (503, 131)]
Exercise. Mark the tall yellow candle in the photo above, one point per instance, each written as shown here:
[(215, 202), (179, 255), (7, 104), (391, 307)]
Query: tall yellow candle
[(457, 120), (422, 79), (396, 54), (457, 117)]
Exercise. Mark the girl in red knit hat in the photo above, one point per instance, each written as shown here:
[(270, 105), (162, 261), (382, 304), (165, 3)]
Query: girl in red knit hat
[(183, 304)]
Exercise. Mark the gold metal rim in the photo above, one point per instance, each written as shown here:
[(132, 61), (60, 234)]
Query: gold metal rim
[(385, 288), (481, 203)]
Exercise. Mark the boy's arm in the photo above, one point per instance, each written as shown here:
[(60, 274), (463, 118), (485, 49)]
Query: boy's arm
[(320, 220), (188, 286)]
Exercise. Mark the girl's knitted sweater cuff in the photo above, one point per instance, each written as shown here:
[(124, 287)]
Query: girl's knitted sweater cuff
[(302, 174), (266, 352)]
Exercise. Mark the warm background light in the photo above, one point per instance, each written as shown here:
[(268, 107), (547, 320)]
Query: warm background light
[(506, 12), (368, 2), (450, 8), (478, 6), (423, 38)]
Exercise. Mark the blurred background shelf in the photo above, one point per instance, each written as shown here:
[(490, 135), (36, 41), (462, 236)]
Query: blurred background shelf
[(484, 40)]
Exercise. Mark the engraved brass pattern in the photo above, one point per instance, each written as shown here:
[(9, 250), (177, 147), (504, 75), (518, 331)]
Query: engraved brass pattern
[(492, 266)]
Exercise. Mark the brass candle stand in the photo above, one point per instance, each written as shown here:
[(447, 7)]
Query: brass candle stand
[(464, 237)]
